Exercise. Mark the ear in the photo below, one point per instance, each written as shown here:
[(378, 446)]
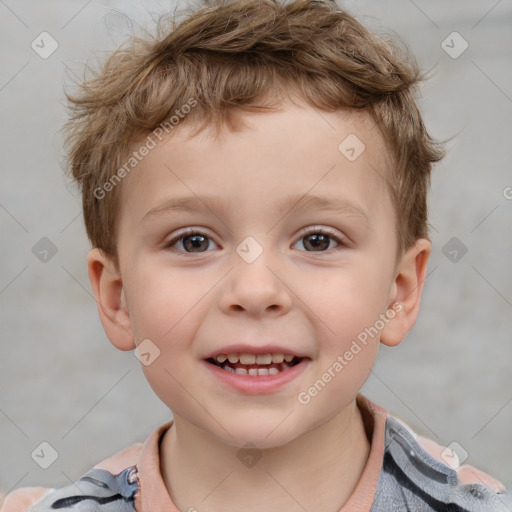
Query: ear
[(405, 295), (108, 289)]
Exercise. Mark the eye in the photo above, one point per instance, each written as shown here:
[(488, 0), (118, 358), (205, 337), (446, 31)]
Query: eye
[(316, 239), (190, 241)]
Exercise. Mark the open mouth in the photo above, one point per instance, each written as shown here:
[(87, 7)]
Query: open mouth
[(255, 364)]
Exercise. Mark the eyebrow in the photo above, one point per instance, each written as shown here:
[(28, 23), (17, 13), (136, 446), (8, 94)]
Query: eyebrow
[(296, 203), (293, 204), (188, 204)]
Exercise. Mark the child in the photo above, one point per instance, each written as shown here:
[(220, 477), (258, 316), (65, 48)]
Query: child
[(254, 186)]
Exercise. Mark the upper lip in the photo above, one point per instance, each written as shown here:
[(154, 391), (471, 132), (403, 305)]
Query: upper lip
[(239, 348)]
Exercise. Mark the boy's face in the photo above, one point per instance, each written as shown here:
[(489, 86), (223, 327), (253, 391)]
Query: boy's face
[(250, 278)]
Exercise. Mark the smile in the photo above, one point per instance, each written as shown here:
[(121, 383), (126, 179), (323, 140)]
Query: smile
[(255, 364), (256, 374)]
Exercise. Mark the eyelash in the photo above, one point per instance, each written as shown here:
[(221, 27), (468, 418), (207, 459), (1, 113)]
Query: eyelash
[(311, 230)]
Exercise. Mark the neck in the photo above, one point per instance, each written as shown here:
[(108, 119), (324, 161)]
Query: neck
[(316, 472)]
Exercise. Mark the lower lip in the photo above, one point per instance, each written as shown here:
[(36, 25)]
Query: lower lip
[(257, 384)]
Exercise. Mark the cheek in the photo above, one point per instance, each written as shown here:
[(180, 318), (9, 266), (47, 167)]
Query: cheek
[(171, 339), (165, 300), (345, 303), (338, 381)]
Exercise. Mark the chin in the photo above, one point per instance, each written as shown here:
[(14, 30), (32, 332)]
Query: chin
[(263, 434)]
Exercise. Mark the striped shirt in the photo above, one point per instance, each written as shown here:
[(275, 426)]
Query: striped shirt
[(404, 473)]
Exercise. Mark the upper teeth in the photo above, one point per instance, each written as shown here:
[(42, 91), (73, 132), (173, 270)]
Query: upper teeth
[(255, 359)]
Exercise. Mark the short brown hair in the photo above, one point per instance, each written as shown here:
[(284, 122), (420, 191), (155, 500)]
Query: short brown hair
[(228, 55)]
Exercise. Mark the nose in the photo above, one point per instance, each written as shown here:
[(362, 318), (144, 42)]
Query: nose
[(255, 288)]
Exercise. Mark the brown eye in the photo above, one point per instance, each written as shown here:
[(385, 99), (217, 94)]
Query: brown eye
[(195, 243), (316, 242), (319, 240), (191, 242)]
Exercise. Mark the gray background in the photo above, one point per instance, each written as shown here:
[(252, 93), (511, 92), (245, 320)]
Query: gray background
[(62, 382)]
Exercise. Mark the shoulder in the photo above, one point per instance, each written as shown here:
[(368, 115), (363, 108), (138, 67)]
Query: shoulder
[(21, 499), (110, 486), (427, 476)]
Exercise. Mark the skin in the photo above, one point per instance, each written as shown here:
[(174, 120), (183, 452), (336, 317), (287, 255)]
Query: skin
[(314, 302)]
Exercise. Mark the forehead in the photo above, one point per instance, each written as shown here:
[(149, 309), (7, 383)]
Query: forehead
[(277, 158)]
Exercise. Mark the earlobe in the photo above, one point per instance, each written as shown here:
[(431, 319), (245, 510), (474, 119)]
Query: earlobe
[(108, 290), (406, 291)]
